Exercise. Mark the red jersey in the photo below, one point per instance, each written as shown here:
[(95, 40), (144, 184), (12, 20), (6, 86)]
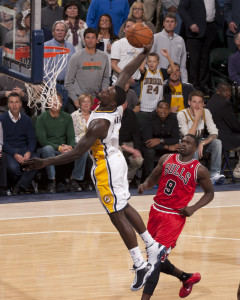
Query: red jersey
[(177, 183)]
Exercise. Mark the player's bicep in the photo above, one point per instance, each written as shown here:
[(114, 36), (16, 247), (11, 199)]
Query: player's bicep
[(203, 178)]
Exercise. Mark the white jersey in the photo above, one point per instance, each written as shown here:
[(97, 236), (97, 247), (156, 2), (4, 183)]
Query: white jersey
[(109, 171), (151, 90)]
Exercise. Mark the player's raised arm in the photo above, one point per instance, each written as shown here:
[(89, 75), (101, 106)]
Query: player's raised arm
[(97, 130), (153, 178), (203, 178), (132, 66)]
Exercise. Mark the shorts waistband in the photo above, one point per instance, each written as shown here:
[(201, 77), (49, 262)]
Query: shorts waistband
[(165, 209)]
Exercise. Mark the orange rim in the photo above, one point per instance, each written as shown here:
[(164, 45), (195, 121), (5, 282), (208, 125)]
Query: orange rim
[(24, 52)]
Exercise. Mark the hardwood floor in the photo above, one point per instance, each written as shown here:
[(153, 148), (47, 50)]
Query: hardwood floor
[(69, 250)]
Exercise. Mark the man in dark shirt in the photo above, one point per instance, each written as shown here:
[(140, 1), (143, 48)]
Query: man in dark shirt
[(160, 135), (227, 123), (130, 141), (51, 13)]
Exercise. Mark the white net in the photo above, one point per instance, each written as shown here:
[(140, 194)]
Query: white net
[(44, 95)]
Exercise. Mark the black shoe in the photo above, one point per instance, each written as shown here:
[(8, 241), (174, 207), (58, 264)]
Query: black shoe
[(51, 188), (35, 186), (17, 189), (205, 89), (141, 275), (74, 186), (88, 186), (61, 188)]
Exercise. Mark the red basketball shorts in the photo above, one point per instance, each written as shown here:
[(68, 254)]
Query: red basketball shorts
[(165, 227)]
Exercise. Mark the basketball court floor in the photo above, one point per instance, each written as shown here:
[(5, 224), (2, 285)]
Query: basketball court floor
[(67, 249)]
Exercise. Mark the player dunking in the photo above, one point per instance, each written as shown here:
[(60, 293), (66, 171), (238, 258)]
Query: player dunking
[(177, 176), (109, 172)]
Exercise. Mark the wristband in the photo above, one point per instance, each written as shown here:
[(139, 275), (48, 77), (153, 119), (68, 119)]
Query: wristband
[(203, 143), (59, 148)]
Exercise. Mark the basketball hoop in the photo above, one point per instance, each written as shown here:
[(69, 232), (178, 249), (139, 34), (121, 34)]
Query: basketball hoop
[(45, 94)]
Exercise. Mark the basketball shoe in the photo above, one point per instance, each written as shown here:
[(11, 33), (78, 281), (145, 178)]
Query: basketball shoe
[(188, 284), (156, 253), (141, 275)]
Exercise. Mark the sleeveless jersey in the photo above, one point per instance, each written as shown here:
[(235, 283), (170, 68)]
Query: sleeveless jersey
[(177, 96), (151, 90), (109, 171), (177, 184)]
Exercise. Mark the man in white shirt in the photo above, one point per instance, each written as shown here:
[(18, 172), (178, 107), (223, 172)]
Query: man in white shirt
[(196, 120), (167, 39)]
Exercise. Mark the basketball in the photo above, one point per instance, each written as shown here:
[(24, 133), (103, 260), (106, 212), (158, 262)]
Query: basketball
[(139, 35)]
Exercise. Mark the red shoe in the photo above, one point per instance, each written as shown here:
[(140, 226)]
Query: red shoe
[(188, 284)]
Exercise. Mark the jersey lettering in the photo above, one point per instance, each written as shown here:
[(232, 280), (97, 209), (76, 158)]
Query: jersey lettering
[(174, 168)]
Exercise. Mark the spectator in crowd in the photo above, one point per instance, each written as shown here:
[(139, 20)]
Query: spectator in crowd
[(59, 32), (76, 26), (55, 134), (117, 9), (139, 14), (200, 19), (83, 7), (175, 92), (10, 85), (22, 32), (80, 118), (86, 67), (234, 62), (227, 123), (51, 13), (131, 97), (153, 6), (3, 165), (172, 6), (6, 24), (130, 143), (232, 17), (196, 120), (122, 53), (160, 135), (106, 37), (152, 84), (167, 39), (19, 143)]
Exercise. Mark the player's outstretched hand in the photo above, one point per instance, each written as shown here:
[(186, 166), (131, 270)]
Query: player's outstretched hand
[(147, 48), (186, 211), (34, 163), (140, 189)]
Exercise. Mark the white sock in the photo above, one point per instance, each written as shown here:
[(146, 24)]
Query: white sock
[(147, 238), (137, 256)]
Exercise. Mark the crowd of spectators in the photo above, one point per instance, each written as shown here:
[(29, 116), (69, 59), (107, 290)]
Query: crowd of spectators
[(165, 97)]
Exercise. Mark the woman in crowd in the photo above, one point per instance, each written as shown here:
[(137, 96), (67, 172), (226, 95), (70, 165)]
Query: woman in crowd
[(80, 118), (75, 24), (106, 36), (139, 14)]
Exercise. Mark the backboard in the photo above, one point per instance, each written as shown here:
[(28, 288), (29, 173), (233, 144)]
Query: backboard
[(21, 40)]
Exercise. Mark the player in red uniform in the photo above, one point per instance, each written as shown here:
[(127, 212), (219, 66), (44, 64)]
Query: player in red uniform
[(177, 176)]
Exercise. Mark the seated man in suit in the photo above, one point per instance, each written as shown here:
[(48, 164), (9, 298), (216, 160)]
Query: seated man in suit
[(227, 123), (19, 143)]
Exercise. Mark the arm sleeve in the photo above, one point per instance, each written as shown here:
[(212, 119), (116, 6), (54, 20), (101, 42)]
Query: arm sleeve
[(183, 68), (228, 11), (105, 79), (184, 14), (70, 78), (211, 126), (31, 137), (92, 16), (182, 122), (70, 132), (233, 71)]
